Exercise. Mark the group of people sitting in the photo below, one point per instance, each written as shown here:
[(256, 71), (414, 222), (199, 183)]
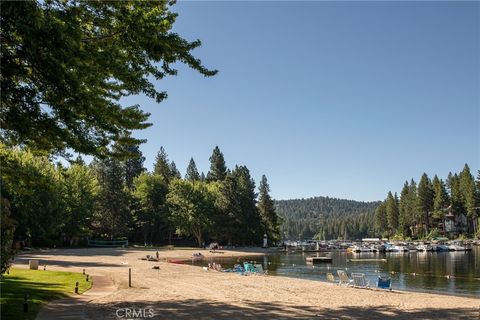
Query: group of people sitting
[(215, 266)]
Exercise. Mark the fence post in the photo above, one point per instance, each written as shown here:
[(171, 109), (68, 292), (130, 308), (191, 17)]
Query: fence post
[(76, 287), (25, 302), (129, 277)]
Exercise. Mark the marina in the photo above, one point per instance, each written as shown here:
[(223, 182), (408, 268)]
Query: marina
[(446, 272)]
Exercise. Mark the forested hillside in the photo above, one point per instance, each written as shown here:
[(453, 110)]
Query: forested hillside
[(433, 207), (326, 218)]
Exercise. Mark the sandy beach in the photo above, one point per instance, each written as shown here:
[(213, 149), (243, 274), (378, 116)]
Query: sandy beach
[(177, 291)]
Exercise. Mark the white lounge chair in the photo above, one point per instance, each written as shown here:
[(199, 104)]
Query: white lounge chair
[(259, 269), (360, 281), (344, 279)]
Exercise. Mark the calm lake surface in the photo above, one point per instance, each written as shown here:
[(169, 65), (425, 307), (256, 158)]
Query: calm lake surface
[(456, 273)]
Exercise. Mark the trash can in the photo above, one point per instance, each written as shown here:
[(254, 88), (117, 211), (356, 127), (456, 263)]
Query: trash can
[(33, 264)]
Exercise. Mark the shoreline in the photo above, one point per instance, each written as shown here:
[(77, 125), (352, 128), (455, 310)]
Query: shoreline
[(181, 290)]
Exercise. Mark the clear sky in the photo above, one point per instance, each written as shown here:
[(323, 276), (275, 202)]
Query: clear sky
[(335, 99)]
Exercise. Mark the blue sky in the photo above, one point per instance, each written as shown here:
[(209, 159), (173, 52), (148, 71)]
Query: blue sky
[(336, 99)]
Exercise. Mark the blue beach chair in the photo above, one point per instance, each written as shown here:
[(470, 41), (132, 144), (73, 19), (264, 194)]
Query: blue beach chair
[(384, 283), (249, 267)]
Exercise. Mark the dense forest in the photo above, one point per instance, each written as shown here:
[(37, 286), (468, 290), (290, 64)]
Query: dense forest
[(326, 218), (53, 204), (432, 207)]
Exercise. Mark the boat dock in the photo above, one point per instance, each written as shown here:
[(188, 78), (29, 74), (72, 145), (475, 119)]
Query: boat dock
[(315, 260), (367, 260)]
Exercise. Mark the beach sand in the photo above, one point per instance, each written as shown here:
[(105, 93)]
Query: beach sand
[(178, 291)]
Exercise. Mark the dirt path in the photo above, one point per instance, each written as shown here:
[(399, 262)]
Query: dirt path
[(74, 307)]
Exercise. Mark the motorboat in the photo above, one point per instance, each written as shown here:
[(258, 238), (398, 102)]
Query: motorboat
[(458, 246), (440, 248)]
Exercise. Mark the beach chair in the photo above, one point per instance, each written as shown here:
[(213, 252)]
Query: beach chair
[(344, 279), (330, 277), (384, 283), (248, 267), (259, 268), (360, 281)]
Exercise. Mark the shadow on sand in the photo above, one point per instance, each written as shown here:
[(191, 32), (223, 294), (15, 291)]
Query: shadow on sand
[(205, 309)]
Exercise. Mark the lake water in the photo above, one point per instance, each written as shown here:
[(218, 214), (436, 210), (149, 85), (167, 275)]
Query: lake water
[(456, 273)]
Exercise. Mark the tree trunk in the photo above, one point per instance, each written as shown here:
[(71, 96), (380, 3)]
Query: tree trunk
[(426, 223), (198, 235)]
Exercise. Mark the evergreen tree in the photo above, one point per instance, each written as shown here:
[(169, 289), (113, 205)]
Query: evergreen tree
[(133, 165), (266, 209), (161, 166), (412, 212), (477, 186), (247, 195), (403, 214), (381, 218), (174, 173), (440, 199), (132, 160), (391, 210), (112, 217), (218, 169), (238, 218), (192, 172), (476, 221), (467, 189), (202, 176), (456, 197), (425, 200)]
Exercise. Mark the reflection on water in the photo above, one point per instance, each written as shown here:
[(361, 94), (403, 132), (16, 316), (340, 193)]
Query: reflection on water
[(441, 272)]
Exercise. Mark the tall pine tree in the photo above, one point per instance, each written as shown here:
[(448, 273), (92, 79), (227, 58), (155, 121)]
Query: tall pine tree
[(391, 210), (467, 190), (381, 218), (132, 160), (440, 199), (218, 169), (425, 200), (403, 219), (192, 171), (174, 173), (112, 217), (161, 166), (266, 209)]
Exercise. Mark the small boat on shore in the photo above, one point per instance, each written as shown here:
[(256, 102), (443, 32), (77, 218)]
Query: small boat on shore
[(440, 248), (458, 246)]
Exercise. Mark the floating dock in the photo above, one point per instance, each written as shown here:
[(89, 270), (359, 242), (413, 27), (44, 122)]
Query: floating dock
[(368, 260), (315, 260)]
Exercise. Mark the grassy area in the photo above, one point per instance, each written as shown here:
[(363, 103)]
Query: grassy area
[(42, 287)]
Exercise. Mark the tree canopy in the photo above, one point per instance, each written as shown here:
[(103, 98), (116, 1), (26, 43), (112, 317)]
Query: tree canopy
[(66, 65)]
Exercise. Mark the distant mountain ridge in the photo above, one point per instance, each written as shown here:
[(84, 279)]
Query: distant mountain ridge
[(326, 218)]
